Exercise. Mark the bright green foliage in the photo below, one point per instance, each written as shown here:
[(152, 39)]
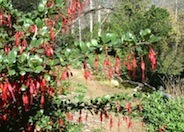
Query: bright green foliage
[(158, 21), (172, 53), (135, 16), (130, 48), (172, 63), (158, 112)]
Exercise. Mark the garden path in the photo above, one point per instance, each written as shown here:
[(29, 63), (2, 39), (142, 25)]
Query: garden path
[(98, 89)]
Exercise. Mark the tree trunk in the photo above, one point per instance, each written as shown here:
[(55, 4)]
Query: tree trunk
[(99, 22), (80, 34), (91, 18)]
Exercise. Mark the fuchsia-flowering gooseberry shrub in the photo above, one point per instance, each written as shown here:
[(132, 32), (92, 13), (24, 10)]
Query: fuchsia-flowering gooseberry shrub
[(28, 58)]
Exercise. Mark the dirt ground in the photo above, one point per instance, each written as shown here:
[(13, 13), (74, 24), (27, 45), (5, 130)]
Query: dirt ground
[(97, 89)]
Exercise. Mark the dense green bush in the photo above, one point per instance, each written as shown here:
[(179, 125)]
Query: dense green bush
[(161, 113), (28, 58)]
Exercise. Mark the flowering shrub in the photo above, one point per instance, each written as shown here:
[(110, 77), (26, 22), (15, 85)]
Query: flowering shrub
[(126, 54), (29, 55), (28, 58)]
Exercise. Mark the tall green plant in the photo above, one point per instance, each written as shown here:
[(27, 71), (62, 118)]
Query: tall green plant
[(28, 58)]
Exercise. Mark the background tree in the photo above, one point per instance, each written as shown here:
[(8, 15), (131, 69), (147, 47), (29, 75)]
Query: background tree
[(173, 51)]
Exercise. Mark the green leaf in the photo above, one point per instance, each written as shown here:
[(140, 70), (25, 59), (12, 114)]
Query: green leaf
[(12, 56), (76, 43), (5, 1), (112, 36), (39, 41), (28, 69), (94, 42), (2, 67), (6, 60), (26, 26), (49, 127), (145, 32), (139, 50), (39, 69), (44, 1), (41, 7), (39, 23), (23, 87), (67, 52), (134, 39), (11, 72), (130, 37), (44, 31), (83, 47), (105, 38), (79, 98), (47, 77), (38, 127), (22, 73), (49, 62), (29, 21), (153, 38), (24, 56), (106, 97), (34, 61), (59, 2), (88, 44), (33, 43), (1, 58), (39, 51)]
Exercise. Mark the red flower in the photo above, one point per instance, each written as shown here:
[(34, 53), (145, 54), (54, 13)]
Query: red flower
[(87, 74), (117, 65), (42, 101), (111, 123), (52, 34), (9, 21), (143, 68), (25, 101), (152, 58)]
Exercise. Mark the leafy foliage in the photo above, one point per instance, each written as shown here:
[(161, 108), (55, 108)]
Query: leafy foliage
[(30, 54), (160, 113), (28, 60)]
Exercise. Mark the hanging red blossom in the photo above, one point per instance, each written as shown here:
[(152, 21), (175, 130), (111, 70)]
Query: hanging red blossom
[(117, 65), (111, 123), (152, 58), (111, 72), (42, 101), (17, 37), (143, 68), (9, 21), (2, 20), (129, 108), (87, 74), (52, 34), (25, 101)]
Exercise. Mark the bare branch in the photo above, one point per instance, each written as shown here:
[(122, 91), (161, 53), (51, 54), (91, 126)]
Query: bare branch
[(140, 85), (82, 15)]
